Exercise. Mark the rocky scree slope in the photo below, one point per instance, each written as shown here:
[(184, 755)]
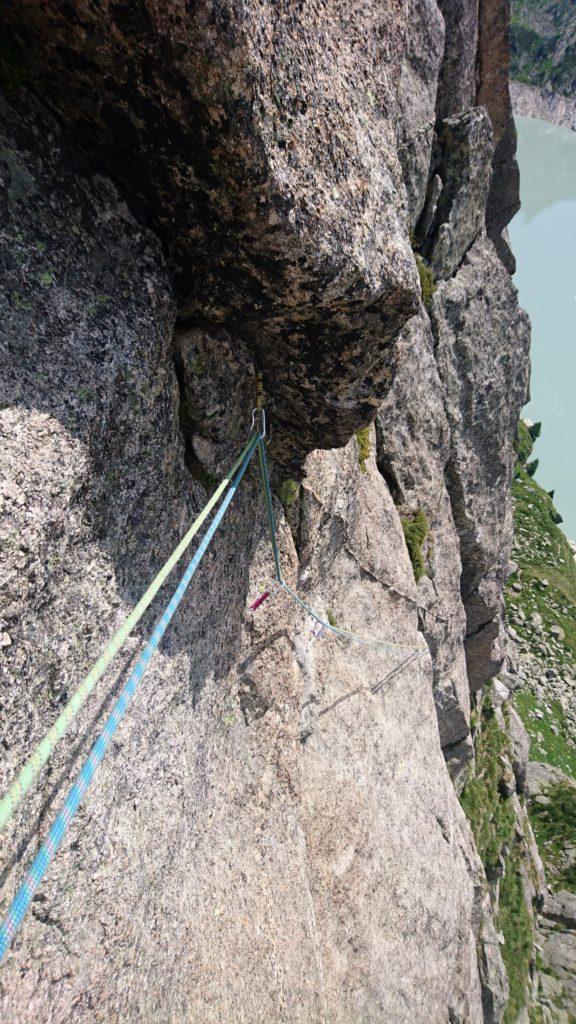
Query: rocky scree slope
[(541, 611), (187, 196), (521, 796)]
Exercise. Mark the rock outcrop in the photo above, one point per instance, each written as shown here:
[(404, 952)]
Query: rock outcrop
[(482, 355), (190, 196), (493, 93), (260, 142), (534, 101)]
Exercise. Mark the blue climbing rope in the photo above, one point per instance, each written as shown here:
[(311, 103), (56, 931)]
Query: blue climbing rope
[(49, 848), (33, 877), (46, 747)]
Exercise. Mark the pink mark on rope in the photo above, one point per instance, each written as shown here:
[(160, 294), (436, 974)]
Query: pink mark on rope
[(260, 600)]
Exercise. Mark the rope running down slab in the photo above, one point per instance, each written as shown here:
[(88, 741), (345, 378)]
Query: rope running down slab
[(46, 747), (49, 848)]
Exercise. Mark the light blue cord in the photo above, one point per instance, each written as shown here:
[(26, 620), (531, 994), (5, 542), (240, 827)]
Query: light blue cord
[(49, 848), (344, 634)]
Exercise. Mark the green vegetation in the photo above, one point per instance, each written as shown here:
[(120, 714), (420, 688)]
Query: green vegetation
[(287, 492), (363, 439), (20, 303), (331, 617), (546, 566), (416, 530), (545, 584), (542, 46), (524, 443), (427, 280), (492, 819), (546, 745), (554, 825), (516, 925), (491, 815)]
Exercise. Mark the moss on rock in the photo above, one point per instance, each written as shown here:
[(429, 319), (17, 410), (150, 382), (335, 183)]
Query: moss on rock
[(287, 492), (490, 814), (427, 280), (364, 449), (416, 531), (517, 927)]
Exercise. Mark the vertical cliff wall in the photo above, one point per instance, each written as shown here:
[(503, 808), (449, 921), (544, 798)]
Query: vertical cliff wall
[(189, 195)]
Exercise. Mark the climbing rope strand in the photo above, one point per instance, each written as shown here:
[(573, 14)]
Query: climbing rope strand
[(345, 634), (49, 848), (45, 748), (340, 700), (411, 660), (269, 507)]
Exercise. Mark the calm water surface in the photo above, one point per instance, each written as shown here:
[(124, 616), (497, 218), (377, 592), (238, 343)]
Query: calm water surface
[(543, 237)]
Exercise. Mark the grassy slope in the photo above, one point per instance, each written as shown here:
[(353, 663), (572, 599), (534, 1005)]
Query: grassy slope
[(543, 43), (492, 819), (542, 553)]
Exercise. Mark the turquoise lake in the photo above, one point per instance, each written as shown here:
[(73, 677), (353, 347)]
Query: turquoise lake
[(543, 236)]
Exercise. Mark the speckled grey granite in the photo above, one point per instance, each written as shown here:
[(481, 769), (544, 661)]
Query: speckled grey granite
[(186, 195)]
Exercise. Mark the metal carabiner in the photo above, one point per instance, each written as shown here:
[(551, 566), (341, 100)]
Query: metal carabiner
[(262, 413)]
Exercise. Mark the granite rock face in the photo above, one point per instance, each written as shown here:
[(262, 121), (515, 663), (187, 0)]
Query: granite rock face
[(482, 355), (495, 986), (225, 818), (466, 147), (457, 82), (416, 98), (413, 453), (274, 834), (260, 140), (557, 976), (540, 776), (493, 94)]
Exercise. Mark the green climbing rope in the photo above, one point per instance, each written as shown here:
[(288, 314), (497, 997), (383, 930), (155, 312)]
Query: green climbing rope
[(45, 748)]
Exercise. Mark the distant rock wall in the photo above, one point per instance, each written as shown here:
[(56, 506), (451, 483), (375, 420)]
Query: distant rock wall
[(540, 102), (543, 60), (188, 197)]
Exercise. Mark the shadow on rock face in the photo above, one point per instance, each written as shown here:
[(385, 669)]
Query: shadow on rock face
[(259, 142), (96, 488)]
